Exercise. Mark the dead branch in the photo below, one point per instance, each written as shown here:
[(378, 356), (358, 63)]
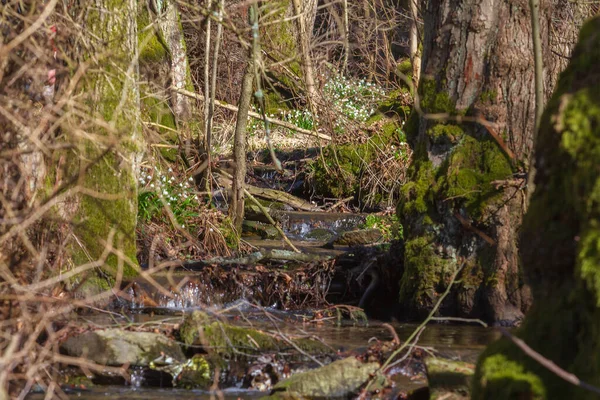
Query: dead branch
[(273, 121)]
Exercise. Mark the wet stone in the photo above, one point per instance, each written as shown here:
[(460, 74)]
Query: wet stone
[(338, 379), (118, 347), (359, 237), (320, 234)]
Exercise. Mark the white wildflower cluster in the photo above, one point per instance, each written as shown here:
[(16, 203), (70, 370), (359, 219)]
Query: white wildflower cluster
[(301, 118), (356, 99), (179, 194)]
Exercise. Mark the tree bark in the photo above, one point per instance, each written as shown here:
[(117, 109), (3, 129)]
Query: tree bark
[(415, 56), (477, 66), (110, 154), (306, 10), (559, 253), (171, 32), (236, 207)]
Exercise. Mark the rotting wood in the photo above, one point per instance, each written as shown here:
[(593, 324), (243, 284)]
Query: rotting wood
[(253, 114), (269, 194)]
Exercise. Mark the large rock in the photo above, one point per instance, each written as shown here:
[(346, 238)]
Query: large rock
[(448, 379), (119, 347), (560, 249), (338, 379), (359, 237), (199, 329)]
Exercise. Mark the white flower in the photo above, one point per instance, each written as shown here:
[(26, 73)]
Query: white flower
[(152, 185), (149, 177)]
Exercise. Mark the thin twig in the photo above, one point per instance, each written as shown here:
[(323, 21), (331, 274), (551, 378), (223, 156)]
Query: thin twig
[(548, 364)]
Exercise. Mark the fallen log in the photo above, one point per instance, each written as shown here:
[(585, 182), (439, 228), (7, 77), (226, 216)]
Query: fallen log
[(257, 257), (269, 194), (253, 114)]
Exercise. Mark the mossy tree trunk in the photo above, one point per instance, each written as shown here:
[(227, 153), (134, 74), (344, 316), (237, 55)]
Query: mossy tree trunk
[(560, 244), (287, 42), (466, 198), (109, 153)]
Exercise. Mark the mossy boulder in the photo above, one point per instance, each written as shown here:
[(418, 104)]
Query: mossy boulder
[(194, 373), (560, 246), (448, 379), (339, 379), (225, 339)]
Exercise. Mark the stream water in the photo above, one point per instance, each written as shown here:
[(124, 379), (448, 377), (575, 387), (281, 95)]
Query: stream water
[(458, 342), (145, 306)]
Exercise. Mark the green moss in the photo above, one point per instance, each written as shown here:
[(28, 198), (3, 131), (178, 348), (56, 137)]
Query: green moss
[(445, 133), (275, 102), (228, 231), (152, 47), (434, 99), (98, 217), (417, 194), (228, 340), (506, 379), (488, 96), (394, 103), (341, 176), (471, 169), (388, 130), (423, 269), (405, 67), (195, 373)]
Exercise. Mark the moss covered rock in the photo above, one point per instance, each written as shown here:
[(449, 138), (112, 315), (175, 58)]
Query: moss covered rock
[(448, 379), (339, 379), (225, 339), (561, 242)]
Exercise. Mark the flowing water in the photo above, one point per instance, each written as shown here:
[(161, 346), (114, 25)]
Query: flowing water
[(458, 342), (143, 305)]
